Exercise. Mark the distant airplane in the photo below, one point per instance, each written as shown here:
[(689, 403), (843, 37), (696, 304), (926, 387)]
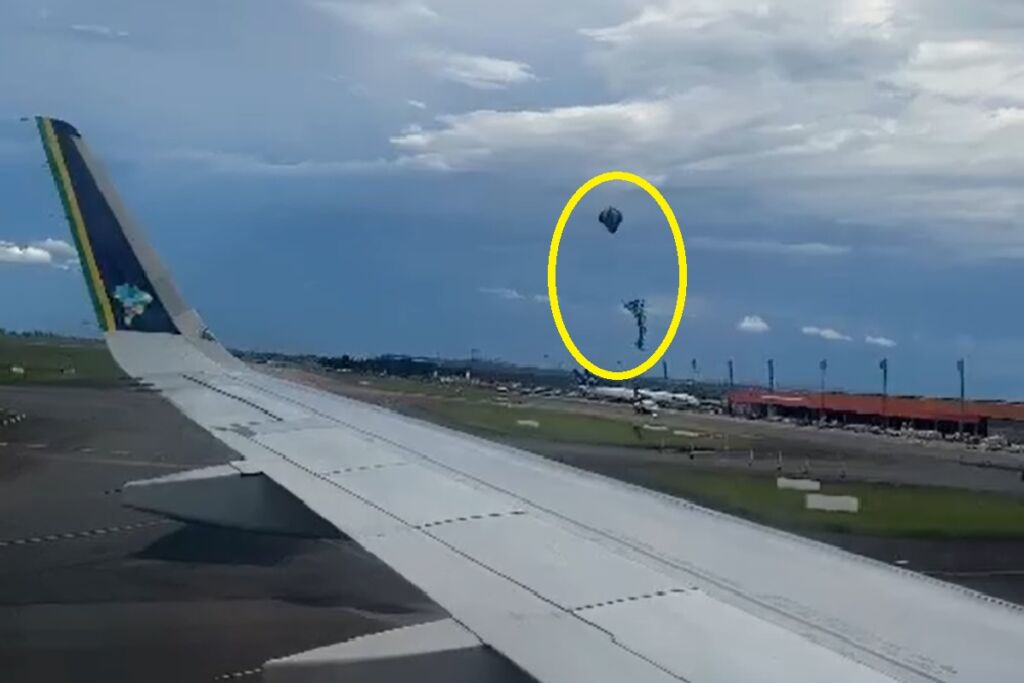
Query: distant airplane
[(570, 576), (671, 399), (611, 393)]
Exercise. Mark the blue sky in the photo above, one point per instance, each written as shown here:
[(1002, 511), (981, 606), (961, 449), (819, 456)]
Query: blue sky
[(364, 177)]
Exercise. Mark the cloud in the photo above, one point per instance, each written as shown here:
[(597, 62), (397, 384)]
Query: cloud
[(49, 252), (772, 248), (541, 298), (58, 249), (417, 104), (825, 333), (478, 71), (246, 164), (379, 16), (880, 341), (752, 324), (98, 31), (502, 293), (824, 110)]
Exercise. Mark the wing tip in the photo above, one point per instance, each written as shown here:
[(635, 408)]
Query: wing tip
[(60, 126)]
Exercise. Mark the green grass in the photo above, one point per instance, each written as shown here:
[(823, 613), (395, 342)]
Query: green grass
[(554, 425), (49, 360), (409, 386), (885, 510)]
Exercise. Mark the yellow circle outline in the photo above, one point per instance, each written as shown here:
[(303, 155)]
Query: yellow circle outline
[(556, 238)]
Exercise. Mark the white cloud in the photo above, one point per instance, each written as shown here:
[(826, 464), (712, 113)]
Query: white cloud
[(752, 324), (245, 164), (99, 31), (856, 111), (417, 104), (880, 341), (502, 293), (825, 333), (58, 249), (541, 298), (379, 16), (478, 71), (771, 248), (49, 252)]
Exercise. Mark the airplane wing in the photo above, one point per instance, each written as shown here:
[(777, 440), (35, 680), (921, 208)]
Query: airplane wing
[(568, 575)]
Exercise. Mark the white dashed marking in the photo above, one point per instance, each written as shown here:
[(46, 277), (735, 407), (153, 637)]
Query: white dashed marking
[(237, 674), (82, 534)]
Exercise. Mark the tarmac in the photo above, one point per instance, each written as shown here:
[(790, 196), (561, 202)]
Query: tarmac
[(92, 591)]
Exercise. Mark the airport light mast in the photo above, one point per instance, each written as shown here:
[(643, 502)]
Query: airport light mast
[(883, 365), (823, 366), (960, 369), (771, 374), (731, 384)]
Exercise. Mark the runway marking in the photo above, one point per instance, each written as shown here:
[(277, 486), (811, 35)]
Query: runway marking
[(114, 461), (238, 674), (69, 535), (36, 445), (122, 452)]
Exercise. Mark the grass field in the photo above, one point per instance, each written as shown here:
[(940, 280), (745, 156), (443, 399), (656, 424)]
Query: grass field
[(48, 360), (412, 387), (885, 510), (488, 418)]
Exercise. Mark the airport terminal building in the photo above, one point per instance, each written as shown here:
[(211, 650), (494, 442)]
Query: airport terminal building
[(943, 415)]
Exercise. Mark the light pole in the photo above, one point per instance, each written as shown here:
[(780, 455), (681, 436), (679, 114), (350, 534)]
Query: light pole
[(960, 369), (823, 366), (883, 365), (771, 374), (731, 383)]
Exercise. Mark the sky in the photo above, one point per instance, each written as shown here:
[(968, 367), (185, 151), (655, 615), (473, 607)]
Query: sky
[(353, 176)]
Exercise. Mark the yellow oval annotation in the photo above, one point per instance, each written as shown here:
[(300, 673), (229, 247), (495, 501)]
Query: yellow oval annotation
[(556, 239)]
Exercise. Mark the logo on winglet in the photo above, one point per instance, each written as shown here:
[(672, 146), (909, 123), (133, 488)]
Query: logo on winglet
[(133, 301)]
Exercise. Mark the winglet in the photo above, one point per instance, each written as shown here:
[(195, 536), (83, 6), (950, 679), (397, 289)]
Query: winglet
[(128, 286), (130, 289)]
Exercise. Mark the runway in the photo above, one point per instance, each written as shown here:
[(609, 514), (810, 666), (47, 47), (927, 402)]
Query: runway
[(92, 591)]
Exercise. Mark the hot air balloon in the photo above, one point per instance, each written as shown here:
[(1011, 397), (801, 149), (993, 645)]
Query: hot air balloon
[(610, 217)]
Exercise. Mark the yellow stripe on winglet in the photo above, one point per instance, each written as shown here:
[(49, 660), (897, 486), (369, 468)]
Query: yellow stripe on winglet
[(78, 224)]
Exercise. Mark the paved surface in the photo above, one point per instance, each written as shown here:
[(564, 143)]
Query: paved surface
[(91, 591)]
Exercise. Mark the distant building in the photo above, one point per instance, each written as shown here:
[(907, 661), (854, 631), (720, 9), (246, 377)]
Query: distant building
[(944, 415)]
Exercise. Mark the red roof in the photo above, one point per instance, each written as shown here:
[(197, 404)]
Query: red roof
[(914, 407)]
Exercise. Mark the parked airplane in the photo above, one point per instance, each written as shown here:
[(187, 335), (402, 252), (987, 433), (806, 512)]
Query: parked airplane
[(671, 399), (623, 394), (570, 576)]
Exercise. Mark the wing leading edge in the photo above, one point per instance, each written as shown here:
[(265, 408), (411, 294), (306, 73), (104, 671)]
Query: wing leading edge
[(570, 576)]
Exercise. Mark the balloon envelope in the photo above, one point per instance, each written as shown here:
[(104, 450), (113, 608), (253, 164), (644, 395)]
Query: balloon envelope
[(610, 218)]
